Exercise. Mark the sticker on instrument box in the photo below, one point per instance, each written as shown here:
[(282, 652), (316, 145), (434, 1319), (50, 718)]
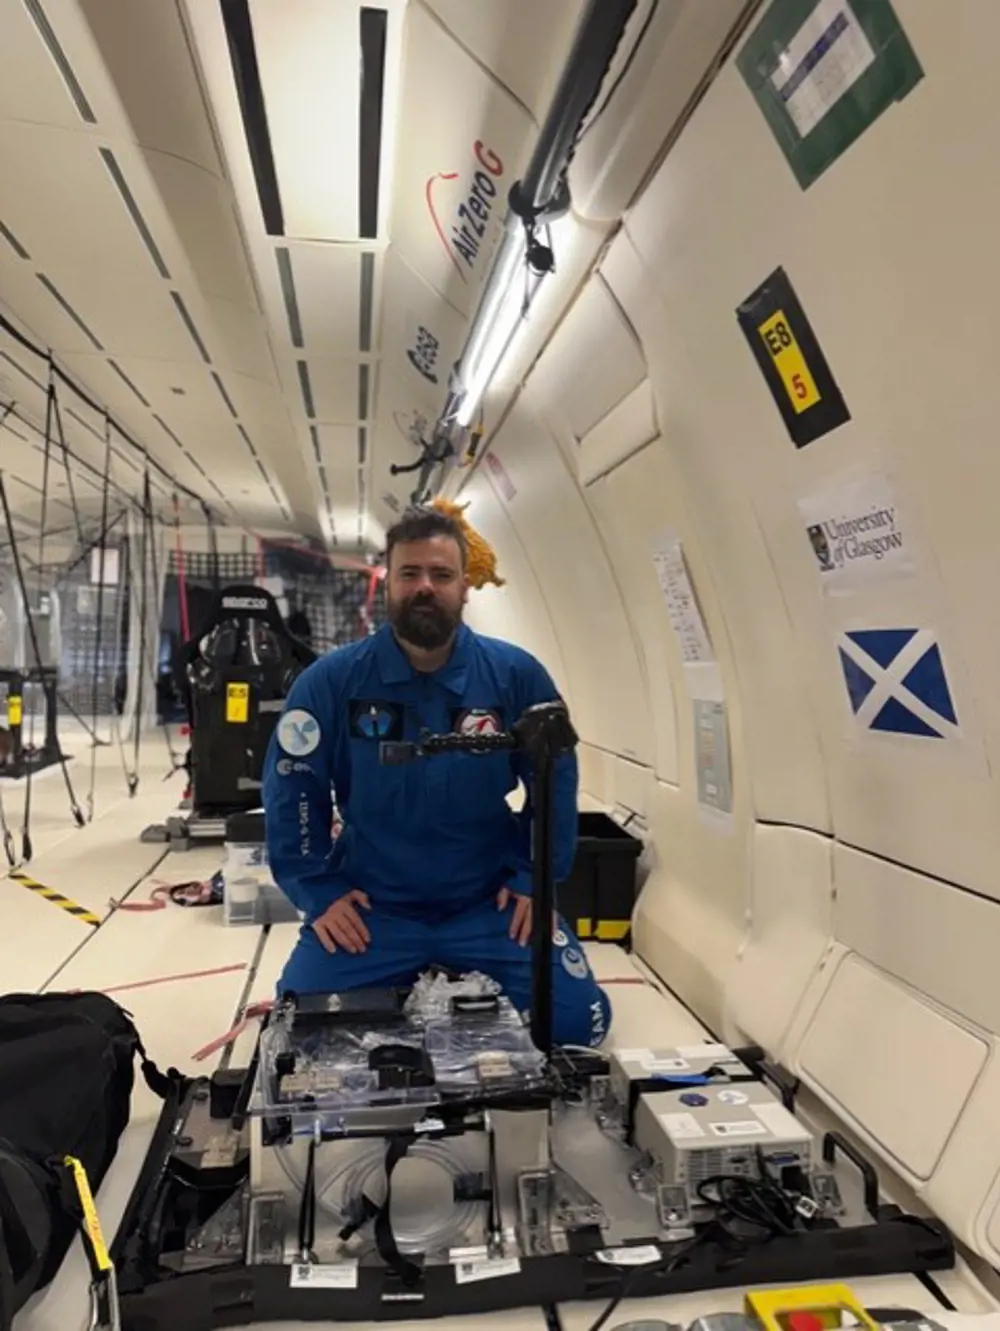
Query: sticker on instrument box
[(344, 1275), (490, 1269), (748, 1128), (732, 1097), (682, 1126), (642, 1255)]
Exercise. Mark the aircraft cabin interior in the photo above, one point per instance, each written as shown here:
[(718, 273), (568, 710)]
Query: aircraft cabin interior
[(498, 708)]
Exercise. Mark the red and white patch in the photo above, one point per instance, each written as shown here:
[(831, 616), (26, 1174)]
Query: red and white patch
[(479, 721)]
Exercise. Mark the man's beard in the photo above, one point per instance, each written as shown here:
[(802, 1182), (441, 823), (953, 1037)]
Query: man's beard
[(424, 622)]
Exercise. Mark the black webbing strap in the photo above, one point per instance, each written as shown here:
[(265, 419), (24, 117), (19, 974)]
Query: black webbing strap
[(385, 1241)]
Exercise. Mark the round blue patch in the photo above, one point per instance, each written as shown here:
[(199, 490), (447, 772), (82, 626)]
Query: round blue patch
[(693, 1099)]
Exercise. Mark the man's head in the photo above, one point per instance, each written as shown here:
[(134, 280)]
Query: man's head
[(426, 582)]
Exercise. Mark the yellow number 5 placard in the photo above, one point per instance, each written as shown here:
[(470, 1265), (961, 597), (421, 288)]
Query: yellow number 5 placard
[(789, 362)]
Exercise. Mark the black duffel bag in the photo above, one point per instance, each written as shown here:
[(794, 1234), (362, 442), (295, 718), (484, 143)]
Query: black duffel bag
[(67, 1068)]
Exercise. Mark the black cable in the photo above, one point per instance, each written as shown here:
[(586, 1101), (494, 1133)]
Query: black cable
[(664, 1267), (155, 568), (143, 609), (66, 466), (28, 345), (95, 681), (26, 847)]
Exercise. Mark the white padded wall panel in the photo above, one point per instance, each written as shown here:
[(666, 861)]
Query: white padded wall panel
[(951, 940), (517, 611), (619, 434), (689, 922), (616, 502), (873, 1047), (709, 467), (596, 334), (584, 601), (790, 916)]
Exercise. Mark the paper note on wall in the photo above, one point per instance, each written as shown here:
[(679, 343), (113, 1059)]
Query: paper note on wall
[(711, 738), (682, 605)]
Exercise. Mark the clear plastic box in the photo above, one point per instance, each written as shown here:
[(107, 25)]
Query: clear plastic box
[(250, 894), (323, 1073)]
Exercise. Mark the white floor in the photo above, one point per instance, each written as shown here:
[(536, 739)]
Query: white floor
[(207, 974)]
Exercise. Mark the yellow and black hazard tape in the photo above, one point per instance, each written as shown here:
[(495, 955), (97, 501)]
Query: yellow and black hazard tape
[(57, 898)]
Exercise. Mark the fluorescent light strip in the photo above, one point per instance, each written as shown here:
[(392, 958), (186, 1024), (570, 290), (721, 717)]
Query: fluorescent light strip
[(189, 324), (124, 377), (364, 384), (41, 22), (366, 302), (287, 279), (373, 38), (57, 295), (306, 386), (246, 73), (13, 242), (224, 395), (139, 222)]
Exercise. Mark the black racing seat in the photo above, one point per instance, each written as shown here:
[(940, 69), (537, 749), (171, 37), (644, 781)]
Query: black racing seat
[(235, 673)]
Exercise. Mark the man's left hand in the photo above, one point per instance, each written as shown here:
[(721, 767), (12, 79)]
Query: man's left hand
[(520, 925)]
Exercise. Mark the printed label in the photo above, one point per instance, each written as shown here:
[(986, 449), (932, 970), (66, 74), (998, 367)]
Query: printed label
[(638, 1256), (467, 1272), (746, 1129), (683, 1126), (342, 1276)]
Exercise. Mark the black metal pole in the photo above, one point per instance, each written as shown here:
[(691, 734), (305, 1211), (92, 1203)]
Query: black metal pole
[(543, 841)]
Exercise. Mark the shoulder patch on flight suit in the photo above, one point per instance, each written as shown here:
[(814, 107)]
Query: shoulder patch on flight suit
[(375, 719), (477, 721)]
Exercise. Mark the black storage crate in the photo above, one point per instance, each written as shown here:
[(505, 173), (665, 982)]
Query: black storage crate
[(597, 898)]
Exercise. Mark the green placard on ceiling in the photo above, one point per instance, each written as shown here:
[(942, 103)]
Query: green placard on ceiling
[(822, 71)]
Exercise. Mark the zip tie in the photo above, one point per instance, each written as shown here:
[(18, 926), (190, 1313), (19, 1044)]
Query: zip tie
[(252, 1013), (167, 979)]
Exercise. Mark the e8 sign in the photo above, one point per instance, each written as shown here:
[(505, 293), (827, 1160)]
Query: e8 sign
[(789, 362)]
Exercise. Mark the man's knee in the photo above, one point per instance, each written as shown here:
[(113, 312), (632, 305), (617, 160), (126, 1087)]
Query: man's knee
[(582, 1010)]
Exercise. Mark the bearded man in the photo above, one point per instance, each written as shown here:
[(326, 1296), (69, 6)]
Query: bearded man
[(432, 865)]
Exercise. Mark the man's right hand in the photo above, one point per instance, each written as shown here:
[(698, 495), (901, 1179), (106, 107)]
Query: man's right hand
[(341, 925)]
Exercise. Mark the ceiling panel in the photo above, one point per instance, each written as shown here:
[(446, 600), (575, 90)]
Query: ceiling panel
[(421, 338), (32, 88), (522, 42), (143, 45), (199, 210), (454, 170), (243, 341), (327, 390), (308, 55), (326, 282), (61, 179)]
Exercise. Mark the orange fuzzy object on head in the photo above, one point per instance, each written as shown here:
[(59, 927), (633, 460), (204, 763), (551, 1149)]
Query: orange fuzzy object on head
[(482, 566)]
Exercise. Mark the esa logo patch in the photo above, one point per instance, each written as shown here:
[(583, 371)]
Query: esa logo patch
[(286, 767), (298, 733), (376, 720), (574, 963), (477, 721)]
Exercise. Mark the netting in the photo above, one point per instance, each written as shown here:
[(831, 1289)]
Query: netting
[(325, 606)]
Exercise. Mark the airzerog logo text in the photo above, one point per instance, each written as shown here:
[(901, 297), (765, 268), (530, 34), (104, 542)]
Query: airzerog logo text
[(462, 234)]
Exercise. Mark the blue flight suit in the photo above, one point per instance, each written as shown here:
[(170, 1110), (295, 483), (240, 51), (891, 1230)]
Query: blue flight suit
[(431, 842)]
